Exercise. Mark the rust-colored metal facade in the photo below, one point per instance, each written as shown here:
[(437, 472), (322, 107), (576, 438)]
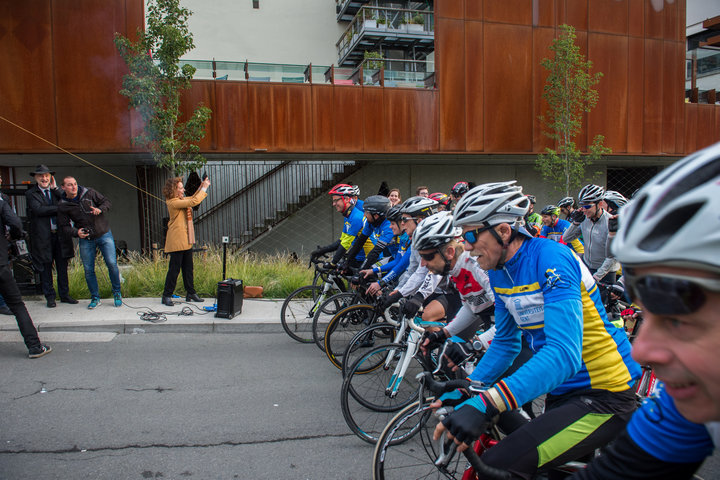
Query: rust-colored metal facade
[(61, 76)]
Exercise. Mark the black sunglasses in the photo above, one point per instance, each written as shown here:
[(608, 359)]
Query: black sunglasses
[(428, 256), (406, 219), (669, 294), (472, 235)]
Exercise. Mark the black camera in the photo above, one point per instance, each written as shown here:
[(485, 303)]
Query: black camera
[(89, 231)]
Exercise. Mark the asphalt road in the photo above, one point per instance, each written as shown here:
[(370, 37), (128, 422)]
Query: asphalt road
[(179, 406), (195, 406)]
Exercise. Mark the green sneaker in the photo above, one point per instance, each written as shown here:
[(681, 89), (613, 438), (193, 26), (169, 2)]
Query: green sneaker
[(118, 300), (94, 302)]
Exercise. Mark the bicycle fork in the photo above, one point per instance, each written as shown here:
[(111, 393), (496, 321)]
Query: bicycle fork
[(401, 368)]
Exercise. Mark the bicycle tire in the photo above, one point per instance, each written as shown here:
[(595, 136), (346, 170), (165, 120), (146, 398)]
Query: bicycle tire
[(365, 403), (406, 450), (370, 337), (297, 313), (343, 327), (326, 311)]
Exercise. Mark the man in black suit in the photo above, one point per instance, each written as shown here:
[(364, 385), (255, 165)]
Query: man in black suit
[(9, 289), (47, 243)]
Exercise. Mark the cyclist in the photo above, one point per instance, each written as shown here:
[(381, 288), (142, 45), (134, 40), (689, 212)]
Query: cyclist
[(458, 190), (580, 360), (343, 200), (442, 199), (566, 206), (419, 286), (554, 227), (668, 245), (591, 221), (391, 270), (439, 251), (533, 221), (376, 228)]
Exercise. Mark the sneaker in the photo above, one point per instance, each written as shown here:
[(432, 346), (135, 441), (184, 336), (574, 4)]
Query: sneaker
[(38, 352), (118, 300), (94, 302)]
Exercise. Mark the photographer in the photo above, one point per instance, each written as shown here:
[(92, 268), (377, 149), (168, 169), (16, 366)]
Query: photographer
[(86, 208)]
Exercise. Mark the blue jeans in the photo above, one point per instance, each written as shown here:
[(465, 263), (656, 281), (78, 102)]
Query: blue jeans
[(88, 250)]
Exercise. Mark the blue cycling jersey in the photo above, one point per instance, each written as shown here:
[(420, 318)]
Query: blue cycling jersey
[(398, 264), (381, 233), (351, 228), (556, 233), (396, 244), (547, 293), (659, 429)]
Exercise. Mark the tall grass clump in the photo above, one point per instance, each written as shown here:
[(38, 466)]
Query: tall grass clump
[(144, 276)]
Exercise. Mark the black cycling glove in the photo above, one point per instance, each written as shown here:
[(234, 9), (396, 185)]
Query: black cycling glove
[(412, 305), (435, 338), (388, 300), (578, 216), (613, 224)]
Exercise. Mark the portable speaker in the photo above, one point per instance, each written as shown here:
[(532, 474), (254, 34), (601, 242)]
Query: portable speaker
[(229, 298)]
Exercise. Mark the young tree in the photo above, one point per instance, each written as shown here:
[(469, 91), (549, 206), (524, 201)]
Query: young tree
[(155, 83), (570, 94)]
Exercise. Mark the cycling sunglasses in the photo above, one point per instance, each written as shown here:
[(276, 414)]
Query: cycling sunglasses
[(472, 235), (669, 294), (428, 256), (406, 219), (587, 205)]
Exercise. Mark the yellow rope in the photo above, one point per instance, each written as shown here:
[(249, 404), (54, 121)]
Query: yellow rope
[(81, 159)]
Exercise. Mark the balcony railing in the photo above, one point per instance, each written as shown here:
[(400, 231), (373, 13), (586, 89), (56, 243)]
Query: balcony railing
[(397, 73), (388, 23), (702, 75)]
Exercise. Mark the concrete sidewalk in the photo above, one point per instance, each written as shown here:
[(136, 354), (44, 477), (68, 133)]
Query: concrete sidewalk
[(258, 315)]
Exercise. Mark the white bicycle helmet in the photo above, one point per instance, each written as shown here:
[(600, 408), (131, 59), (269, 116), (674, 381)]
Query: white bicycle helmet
[(419, 206), (673, 220), (492, 204), (435, 231), (591, 194), (355, 190), (566, 202), (616, 198)]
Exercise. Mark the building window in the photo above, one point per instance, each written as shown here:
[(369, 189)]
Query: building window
[(256, 3)]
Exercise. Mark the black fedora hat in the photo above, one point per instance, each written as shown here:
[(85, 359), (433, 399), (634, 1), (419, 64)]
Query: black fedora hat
[(41, 169)]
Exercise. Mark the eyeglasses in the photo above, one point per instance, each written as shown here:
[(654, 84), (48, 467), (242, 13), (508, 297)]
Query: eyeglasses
[(586, 206), (669, 294), (406, 219), (472, 235), (428, 256)]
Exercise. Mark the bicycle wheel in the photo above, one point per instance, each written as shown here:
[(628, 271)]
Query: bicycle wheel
[(369, 400), (297, 312), (406, 450), (366, 339), (343, 327), (325, 312)]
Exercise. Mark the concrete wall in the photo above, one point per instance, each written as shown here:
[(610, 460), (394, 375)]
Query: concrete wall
[(280, 31)]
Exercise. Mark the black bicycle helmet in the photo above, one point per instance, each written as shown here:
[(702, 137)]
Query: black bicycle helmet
[(394, 214), (377, 205), (566, 202), (459, 189), (550, 210)]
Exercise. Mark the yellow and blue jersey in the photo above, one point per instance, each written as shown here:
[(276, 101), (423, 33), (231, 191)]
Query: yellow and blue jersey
[(546, 293), (354, 222), (555, 233)]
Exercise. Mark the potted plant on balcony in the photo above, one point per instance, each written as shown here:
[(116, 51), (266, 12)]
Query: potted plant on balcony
[(415, 23), (381, 21), (374, 60), (369, 19)]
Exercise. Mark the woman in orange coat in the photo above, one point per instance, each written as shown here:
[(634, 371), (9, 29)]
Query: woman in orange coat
[(180, 237)]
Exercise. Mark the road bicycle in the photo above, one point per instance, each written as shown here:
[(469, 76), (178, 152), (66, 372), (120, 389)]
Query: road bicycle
[(299, 308), (383, 380), (406, 450)]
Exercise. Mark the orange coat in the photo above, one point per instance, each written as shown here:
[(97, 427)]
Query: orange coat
[(177, 234)]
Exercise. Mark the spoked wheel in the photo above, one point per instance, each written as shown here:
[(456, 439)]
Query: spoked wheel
[(365, 340), (406, 450), (369, 400), (298, 311), (344, 326), (326, 311)]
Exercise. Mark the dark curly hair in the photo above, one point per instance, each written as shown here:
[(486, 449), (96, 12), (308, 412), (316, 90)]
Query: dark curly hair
[(169, 188)]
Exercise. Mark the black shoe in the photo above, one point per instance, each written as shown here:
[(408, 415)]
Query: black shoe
[(69, 300), (168, 301), (38, 352), (193, 298), (5, 311), (51, 303)]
